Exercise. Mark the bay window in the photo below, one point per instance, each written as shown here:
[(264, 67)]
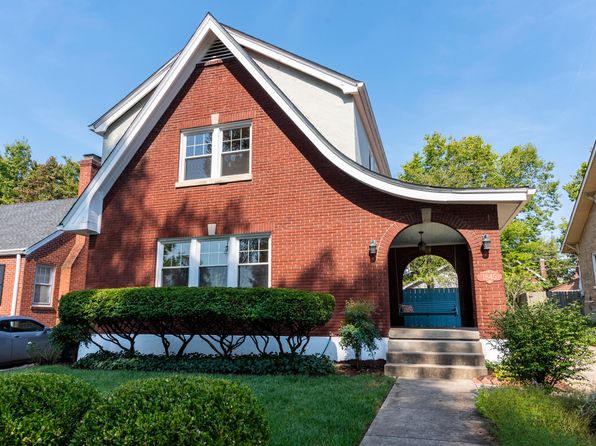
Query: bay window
[(235, 261), (215, 154)]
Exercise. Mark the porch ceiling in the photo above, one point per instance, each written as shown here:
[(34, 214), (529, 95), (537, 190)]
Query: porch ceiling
[(434, 234)]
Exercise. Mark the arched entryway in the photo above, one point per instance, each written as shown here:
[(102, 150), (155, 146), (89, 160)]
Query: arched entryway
[(445, 302)]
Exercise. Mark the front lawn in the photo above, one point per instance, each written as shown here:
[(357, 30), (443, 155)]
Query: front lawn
[(530, 417), (327, 410)]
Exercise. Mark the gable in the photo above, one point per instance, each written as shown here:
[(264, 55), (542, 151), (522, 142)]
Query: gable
[(85, 216)]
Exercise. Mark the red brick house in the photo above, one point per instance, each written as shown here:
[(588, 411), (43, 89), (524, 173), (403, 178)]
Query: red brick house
[(240, 164)]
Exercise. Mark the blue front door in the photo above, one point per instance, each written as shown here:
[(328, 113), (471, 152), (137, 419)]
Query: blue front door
[(431, 307)]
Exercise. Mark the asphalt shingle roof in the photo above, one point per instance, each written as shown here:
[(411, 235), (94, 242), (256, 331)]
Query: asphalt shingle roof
[(24, 224)]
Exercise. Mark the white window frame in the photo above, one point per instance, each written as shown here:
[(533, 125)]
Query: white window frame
[(594, 268), (216, 155), (195, 257), (50, 285)]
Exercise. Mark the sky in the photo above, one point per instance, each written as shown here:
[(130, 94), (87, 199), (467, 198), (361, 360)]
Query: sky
[(512, 72)]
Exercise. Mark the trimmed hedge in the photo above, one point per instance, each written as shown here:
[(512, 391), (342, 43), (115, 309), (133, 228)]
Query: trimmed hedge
[(222, 317), (176, 411), (41, 408), (264, 364)]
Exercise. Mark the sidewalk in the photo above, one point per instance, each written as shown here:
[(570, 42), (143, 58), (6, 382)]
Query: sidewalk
[(426, 412)]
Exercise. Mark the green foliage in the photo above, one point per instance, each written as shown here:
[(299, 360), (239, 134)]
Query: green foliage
[(531, 417), (358, 330), (42, 409), (542, 343), (66, 339), (222, 317), (470, 162), (434, 271), (48, 354), (263, 364), (22, 179), (572, 188), (176, 411)]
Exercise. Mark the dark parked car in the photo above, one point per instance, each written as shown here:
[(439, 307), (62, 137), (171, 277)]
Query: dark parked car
[(16, 333)]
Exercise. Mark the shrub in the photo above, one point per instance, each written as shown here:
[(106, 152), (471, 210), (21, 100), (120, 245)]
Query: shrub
[(263, 364), (176, 411), (358, 330), (542, 343), (42, 409), (43, 355), (531, 417), (223, 317), (66, 339)]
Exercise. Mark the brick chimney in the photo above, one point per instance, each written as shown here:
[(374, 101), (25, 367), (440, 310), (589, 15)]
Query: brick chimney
[(89, 165), (543, 269)]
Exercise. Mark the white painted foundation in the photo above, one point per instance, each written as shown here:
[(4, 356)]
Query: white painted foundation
[(490, 352), (317, 345)]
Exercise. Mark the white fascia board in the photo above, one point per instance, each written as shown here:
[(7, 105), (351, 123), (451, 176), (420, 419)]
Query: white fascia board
[(591, 166), (107, 119), (12, 252), (44, 241), (85, 215), (344, 83)]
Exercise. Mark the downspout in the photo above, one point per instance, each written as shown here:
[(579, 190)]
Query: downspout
[(15, 287)]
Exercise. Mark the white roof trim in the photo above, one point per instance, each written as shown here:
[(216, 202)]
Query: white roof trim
[(44, 241), (85, 215), (12, 252)]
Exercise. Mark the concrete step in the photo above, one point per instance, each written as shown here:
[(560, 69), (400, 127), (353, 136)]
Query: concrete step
[(434, 371), (417, 345), (437, 358), (456, 334)]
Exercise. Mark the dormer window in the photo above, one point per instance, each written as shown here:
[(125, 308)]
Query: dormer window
[(215, 154)]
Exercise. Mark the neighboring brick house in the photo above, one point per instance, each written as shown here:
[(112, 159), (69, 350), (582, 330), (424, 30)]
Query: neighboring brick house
[(39, 263), (240, 164), (581, 236)]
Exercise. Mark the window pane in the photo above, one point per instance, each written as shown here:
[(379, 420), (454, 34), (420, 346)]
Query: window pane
[(42, 294), (214, 252), (174, 277), (22, 326), (254, 250), (43, 274), (197, 168), (198, 144), (213, 276), (250, 276), (235, 163), (236, 139), (176, 254)]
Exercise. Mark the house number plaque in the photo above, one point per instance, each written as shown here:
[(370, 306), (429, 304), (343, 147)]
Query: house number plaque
[(489, 276)]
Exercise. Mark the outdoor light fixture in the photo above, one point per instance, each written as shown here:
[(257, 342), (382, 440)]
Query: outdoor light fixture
[(485, 243), (422, 247), (372, 249)]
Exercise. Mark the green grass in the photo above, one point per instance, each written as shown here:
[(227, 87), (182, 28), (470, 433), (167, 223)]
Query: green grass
[(529, 416), (302, 410)]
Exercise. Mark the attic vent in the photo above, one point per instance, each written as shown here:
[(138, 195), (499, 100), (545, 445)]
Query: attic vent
[(217, 51)]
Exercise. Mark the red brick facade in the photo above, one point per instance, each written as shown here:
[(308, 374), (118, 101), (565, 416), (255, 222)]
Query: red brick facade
[(321, 220)]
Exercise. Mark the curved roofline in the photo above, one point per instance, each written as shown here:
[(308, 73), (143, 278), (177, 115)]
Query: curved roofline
[(85, 215)]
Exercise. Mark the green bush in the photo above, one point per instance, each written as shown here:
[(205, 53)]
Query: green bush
[(42, 409), (66, 339), (531, 417), (263, 364), (223, 317), (542, 343), (358, 330), (176, 411)]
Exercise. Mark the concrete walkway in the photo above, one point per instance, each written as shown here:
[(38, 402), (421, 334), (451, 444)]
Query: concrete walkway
[(426, 412)]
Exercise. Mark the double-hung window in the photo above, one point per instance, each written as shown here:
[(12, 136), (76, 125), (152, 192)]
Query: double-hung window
[(215, 154), (235, 261), (44, 285)]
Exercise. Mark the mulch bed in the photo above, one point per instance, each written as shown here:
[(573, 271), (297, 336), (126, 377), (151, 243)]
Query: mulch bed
[(371, 367)]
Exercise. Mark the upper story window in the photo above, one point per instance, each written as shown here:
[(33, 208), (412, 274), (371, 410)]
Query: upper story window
[(44, 285), (215, 154)]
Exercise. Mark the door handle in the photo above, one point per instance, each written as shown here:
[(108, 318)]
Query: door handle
[(17, 336)]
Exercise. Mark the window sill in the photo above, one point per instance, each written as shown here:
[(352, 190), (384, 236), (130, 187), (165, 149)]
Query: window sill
[(42, 307), (220, 180)]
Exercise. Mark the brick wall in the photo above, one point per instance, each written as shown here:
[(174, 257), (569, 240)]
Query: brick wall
[(6, 294), (54, 253), (587, 246), (321, 220)]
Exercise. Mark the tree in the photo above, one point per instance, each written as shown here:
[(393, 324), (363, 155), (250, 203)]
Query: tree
[(572, 188), (15, 164), (433, 271), (22, 179), (50, 181), (471, 162)]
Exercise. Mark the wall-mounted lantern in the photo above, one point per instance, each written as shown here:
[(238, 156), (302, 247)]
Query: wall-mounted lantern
[(372, 249), (485, 243)]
